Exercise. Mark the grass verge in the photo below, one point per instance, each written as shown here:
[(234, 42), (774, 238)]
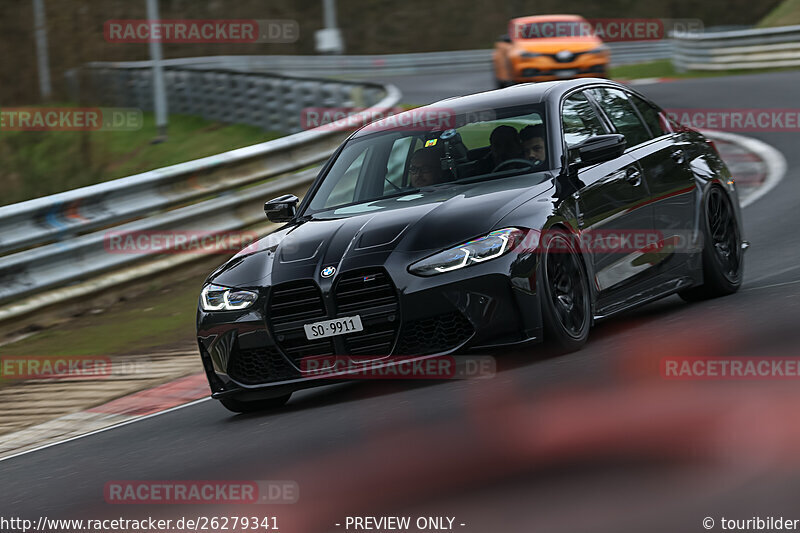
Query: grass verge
[(787, 13), (663, 69), (157, 313), (39, 163)]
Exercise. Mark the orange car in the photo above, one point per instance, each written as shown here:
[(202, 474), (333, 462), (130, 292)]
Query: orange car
[(549, 47)]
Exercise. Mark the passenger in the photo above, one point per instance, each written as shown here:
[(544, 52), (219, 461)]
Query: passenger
[(425, 168), (533, 145)]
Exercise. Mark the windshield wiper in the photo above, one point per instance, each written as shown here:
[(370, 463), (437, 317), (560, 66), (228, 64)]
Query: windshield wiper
[(491, 176), (400, 192), (387, 180)]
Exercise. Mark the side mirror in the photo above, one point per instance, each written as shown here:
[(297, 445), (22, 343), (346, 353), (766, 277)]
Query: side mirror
[(600, 148), (282, 208), (504, 38)]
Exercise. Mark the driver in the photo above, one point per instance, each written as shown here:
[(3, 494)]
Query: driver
[(532, 138), (504, 144), (425, 168)]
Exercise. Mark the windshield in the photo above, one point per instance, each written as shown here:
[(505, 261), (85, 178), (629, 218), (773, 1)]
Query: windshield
[(553, 29), (399, 160)]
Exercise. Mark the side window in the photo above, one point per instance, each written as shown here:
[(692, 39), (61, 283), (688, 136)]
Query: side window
[(622, 114), (579, 120), (651, 116), (396, 165)]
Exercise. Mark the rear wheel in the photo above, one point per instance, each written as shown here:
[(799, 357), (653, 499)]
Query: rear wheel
[(239, 406), (565, 297), (722, 250)]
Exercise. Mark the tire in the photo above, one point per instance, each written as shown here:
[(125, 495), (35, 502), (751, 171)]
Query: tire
[(723, 257), (239, 406), (565, 296)]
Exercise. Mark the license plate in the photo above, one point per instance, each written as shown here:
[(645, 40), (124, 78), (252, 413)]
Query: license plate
[(566, 73), (330, 328)]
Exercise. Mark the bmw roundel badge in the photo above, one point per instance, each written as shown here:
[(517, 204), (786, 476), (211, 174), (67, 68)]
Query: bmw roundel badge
[(328, 271)]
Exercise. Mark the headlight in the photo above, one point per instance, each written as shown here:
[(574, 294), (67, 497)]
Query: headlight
[(529, 54), (602, 49), (218, 298), (493, 245)]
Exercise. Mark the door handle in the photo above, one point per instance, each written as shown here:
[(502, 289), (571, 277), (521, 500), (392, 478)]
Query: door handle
[(633, 176), (677, 156)]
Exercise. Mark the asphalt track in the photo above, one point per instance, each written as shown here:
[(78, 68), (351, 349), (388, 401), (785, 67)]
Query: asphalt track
[(592, 441)]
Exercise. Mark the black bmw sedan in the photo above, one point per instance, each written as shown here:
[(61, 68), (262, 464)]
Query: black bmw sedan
[(506, 217)]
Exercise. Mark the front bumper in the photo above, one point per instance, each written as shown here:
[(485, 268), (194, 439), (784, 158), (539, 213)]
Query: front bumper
[(481, 306), (550, 71)]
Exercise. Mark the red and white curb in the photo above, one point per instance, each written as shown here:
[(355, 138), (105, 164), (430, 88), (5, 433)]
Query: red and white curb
[(148, 403)]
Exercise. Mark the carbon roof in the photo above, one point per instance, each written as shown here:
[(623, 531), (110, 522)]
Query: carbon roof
[(523, 94)]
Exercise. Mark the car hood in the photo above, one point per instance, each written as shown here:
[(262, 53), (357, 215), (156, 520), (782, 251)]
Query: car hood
[(408, 227)]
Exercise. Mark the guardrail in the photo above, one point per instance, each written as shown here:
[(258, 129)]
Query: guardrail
[(622, 53), (54, 241), (742, 49), (266, 100), (63, 215)]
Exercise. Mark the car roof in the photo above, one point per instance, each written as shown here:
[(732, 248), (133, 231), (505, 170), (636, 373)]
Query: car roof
[(516, 95)]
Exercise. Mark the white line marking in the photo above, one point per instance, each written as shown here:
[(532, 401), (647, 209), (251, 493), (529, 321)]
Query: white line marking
[(776, 163), (101, 430), (775, 274), (772, 286)]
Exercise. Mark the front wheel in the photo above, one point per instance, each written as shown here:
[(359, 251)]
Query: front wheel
[(565, 297), (723, 257), (239, 406)]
